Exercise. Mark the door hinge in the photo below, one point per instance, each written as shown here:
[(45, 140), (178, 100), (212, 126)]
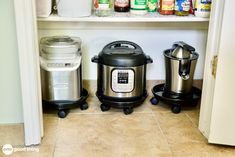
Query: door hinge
[(214, 65)]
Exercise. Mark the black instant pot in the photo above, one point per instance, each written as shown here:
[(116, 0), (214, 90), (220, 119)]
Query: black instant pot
[(121, 76)]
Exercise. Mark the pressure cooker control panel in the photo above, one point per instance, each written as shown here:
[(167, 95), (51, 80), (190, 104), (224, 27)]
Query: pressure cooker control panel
[(57, 65), (123, 80)]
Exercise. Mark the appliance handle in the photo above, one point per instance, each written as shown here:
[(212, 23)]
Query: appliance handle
[(95, 59), (149, 59), (119, 44), (184, 69), (184, 46), (185, 77)]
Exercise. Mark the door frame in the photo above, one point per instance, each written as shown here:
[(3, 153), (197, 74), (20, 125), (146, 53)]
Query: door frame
[(212, 50), (26, 28)]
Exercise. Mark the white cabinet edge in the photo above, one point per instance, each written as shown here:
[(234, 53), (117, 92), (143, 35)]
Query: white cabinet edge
[(208, 79), (29, 70)]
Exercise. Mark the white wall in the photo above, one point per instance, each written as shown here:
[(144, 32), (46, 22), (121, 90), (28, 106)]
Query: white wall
[(10, 90), (152, 37)]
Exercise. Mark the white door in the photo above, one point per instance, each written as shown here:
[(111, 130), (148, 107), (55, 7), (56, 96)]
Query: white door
[(26, 28), (217, 116)]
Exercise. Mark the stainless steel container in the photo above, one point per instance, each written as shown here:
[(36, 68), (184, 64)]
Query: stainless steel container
[(112, 84), (121, 76), (122, 70), (61, 81), (180, 63), (60, 62)]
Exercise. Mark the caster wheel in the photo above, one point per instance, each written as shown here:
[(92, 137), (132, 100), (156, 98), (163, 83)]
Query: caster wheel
[(104, 107), (128, 110), (176, 108), (154, 101), (84, 106), (62, 113)]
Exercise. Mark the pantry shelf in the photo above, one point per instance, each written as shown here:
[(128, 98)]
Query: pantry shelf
[(126, 17)]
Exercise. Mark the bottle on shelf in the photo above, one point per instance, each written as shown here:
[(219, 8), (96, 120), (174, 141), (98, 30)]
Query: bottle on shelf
[(202, 8), (166, 7), (121, 5), (102, 7), (191, 10), (182, 7), (152, 5), (138, 7)]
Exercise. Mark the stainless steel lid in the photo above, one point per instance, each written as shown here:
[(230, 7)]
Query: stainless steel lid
[(60, 44), (181, 50)]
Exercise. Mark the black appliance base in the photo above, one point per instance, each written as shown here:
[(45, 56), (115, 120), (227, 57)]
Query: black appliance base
[(175, 100), (127, 104), (64, 105)]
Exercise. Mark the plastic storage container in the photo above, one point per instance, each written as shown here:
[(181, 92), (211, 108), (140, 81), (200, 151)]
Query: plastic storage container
[(74, 8), (44, 8)]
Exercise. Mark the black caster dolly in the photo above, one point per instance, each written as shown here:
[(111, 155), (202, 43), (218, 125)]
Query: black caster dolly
[(63, 107), (104, 107), (176, 108), (128, 110), (126, 105), (154, 101), (84, 106), (175, 101), (62, 113)]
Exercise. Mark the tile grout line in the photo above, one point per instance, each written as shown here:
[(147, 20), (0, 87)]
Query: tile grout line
[(53, 153), (194, 125), (163, 133), (56, 137), (190, 119)]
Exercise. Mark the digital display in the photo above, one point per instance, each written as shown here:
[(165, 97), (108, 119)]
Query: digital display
[(67, 64), (122, 77), (123, 80)]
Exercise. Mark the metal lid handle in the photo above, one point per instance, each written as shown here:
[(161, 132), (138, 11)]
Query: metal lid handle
[(119, 44), (95, 59), (149, 59)]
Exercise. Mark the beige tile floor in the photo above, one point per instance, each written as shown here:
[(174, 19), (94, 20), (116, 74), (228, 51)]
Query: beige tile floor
[(151, 131)]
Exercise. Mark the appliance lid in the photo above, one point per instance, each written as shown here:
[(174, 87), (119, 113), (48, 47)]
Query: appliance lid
[(122, 54), (181, 50), (168, 54), (60, 44)]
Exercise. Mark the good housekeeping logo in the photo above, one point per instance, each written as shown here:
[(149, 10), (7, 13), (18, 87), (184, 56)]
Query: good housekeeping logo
[(8, 149)]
